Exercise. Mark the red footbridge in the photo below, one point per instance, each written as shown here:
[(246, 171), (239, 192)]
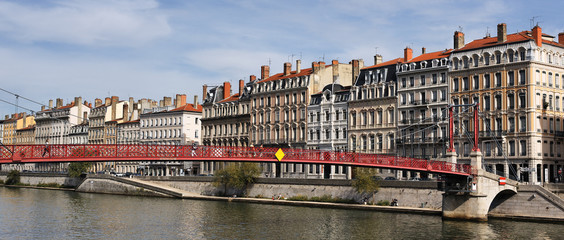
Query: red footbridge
[(12, 154)]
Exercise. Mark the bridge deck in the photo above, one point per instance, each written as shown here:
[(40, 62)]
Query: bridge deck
[(122, 152)]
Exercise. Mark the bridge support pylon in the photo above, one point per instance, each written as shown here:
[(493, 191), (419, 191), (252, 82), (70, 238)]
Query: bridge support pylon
[(472, 197)]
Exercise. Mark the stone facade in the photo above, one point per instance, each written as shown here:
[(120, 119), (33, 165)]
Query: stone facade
[(422, 106), (517, 79)]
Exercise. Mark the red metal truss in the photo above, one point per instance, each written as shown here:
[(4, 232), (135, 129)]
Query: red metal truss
[(117, 152)]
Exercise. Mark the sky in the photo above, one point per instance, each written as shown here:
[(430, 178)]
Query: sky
[(150, 49)]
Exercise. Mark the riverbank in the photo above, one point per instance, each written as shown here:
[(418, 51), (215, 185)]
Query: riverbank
[(414, 197)]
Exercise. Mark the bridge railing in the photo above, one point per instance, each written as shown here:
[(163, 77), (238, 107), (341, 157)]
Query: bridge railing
[(124, 152)]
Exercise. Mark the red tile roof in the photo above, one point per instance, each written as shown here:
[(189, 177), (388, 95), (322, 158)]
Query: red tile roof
[(511, 38), (391, 62), (189, 108), (134, 121), (27, 128), (433, 55), (292, 74), (234, 97)]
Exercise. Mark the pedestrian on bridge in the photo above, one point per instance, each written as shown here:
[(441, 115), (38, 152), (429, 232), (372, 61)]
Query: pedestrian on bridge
[(46, 149)]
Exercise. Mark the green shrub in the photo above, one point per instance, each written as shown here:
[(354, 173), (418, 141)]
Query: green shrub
[(13, 177), (50, 185), (383, 203), (298, 198), (1, 181)]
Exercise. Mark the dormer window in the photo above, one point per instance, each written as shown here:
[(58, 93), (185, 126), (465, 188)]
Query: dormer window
[(424, 64)]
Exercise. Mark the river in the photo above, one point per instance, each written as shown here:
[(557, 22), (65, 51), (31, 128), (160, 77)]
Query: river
[(50, 214)]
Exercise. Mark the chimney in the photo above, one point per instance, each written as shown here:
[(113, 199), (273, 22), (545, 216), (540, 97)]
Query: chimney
[(241, 86), (24, 117), (59, 102), (125, 112), (501, 32), (356, 69), (205, 91), (77, 101), (298, 66), (561, 38), (115, 99), (315, 66), (180, 100), (114, 109), (50, 103), (167, 101), (84, 117), (423, 51), (407, 54), (196, 101), (252, 78), (108, 101), (226, 90), (43, 108), (377, 59), (458, 40), (264, 72), (537, 35), (97, 102), (335, 68), (287, 68)]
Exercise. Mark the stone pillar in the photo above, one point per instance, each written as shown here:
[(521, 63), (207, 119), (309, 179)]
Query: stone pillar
[(349, 172), (476, 160)]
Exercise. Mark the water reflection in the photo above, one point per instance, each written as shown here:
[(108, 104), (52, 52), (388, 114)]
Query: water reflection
[(33, 214)]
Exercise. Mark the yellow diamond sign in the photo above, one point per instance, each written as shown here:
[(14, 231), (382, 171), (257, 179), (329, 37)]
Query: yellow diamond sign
[(279, 154)]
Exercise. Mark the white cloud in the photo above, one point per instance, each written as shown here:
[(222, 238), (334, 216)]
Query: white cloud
[(113, 23)]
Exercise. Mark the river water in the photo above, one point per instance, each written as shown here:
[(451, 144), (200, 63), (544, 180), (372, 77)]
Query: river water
[(49, 214)]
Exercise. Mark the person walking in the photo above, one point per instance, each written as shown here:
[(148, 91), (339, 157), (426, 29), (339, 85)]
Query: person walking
[(46, 148)]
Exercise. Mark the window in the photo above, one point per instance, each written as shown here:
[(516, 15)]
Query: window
[(371, 142), (353, 119), (455, 85), (486, 80), (511, 148), (411, 81), (498, 79), (403, 82), (511, 124), (522, 79), (511, 101), (523, 124), (522, 101), (434, 79), (465, 83), (422, 80), (523, 147), (476, 82), (488, 149), (487, 103), (511, 78)]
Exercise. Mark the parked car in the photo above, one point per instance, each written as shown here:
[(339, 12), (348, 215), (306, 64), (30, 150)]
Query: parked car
[(415, 179), (390, 178)]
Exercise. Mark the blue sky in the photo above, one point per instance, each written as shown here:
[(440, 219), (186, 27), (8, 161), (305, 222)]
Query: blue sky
[(149, 49)]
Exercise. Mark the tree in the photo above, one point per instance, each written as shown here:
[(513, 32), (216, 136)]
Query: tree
[(77, 168), (13, 177), (237, 176), (365, 182)]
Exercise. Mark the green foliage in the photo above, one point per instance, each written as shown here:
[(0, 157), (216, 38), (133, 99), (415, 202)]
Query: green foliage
[(324, 198), (1, 181), (365, 182), (383, 203), (77, 168), (237, 176), (13, 177), (298, 198)]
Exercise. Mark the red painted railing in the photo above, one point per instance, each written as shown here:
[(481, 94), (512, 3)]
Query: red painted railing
[(97, 153)]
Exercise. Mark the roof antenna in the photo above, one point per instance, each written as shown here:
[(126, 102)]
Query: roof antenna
[(532, 21), (487, 31), (460, 28), (269, 62), (375, 50)]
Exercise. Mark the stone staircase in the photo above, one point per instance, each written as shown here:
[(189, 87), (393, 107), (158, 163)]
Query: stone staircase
[(163, 189), (543, 192)]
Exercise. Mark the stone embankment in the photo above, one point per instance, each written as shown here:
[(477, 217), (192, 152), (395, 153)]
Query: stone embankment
[(530, 203)]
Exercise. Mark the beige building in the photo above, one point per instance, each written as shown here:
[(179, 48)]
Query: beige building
[(279, 106), (372, 109), (518, 79), (226, 119)]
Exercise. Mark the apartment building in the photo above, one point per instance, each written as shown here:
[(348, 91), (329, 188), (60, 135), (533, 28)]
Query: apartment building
[(226, 119), (518, 79), (422, 105), (327, 129), (279, 106), (372, 108), (54, 125)]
